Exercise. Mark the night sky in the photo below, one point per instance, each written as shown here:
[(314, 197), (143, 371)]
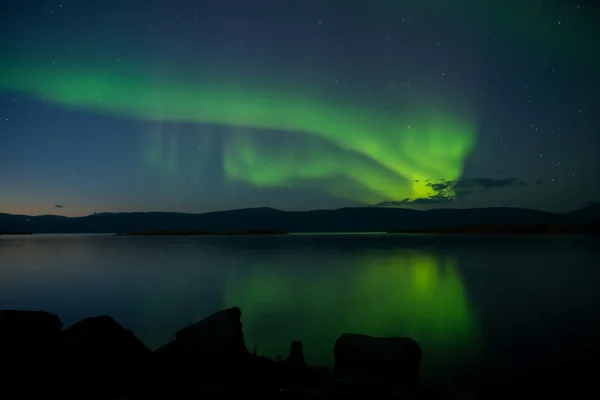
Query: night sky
[(197, 106)]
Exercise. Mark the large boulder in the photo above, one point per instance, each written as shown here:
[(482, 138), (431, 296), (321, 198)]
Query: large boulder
[(100, 342), (28, 348), (214, 343), (382, 362), (28, 338), (104, 358)]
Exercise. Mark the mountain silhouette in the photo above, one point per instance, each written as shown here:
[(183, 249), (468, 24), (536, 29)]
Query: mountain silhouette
[(364, 219)]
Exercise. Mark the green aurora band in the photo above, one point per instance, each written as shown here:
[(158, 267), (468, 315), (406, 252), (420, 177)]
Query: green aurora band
[(404, 293), (374, 156)]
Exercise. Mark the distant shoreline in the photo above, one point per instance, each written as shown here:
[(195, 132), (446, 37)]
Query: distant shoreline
[(465, 230), (358, 220), (487, 229), (204, 233)]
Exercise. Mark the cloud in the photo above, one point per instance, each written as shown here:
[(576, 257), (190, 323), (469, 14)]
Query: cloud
[(59, 206), (448, 191), (437, 199), (487, 183)]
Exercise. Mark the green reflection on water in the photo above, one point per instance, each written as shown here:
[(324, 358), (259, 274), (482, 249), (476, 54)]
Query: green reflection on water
[(401, 293)]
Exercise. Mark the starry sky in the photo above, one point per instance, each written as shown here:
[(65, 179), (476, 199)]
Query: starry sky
[(196, 106)]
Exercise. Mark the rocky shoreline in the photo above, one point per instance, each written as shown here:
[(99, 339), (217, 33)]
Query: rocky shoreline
[(98, 358)]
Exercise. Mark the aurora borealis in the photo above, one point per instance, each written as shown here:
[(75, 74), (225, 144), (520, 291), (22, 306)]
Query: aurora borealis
[(197, 106), (389, 158), (210, 105)]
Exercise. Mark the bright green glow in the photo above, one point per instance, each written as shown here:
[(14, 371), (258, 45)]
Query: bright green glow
[(374, 156), (382, 164), (405, 293)]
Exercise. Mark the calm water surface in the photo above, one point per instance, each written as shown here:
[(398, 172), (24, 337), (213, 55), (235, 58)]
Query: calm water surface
[(481, 308)]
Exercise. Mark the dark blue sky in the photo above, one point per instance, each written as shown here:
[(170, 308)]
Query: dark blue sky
[(119, 105)]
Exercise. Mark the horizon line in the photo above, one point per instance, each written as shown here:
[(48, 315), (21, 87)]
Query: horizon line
[(300, 211)]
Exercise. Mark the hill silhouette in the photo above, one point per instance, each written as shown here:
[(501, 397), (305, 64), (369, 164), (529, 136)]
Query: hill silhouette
[(365, 219)]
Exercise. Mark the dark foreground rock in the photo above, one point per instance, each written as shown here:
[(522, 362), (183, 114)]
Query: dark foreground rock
[(28, 338), (216, 342), (102, 341), (102, 355), (99, 359), (383, 363), (296, 357)]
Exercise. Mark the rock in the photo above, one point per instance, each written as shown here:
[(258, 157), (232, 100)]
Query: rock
[(296, 357), (28, 338), (100, 342), (104, 358), (261, 375), (216, 342), (296, 375), (28, 348), (382, 362)]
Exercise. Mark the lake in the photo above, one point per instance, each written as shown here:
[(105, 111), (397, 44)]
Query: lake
[(482, 308)]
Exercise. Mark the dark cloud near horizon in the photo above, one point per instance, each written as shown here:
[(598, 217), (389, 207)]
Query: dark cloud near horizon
[(437, 199), (476, 184), (448, 191)]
